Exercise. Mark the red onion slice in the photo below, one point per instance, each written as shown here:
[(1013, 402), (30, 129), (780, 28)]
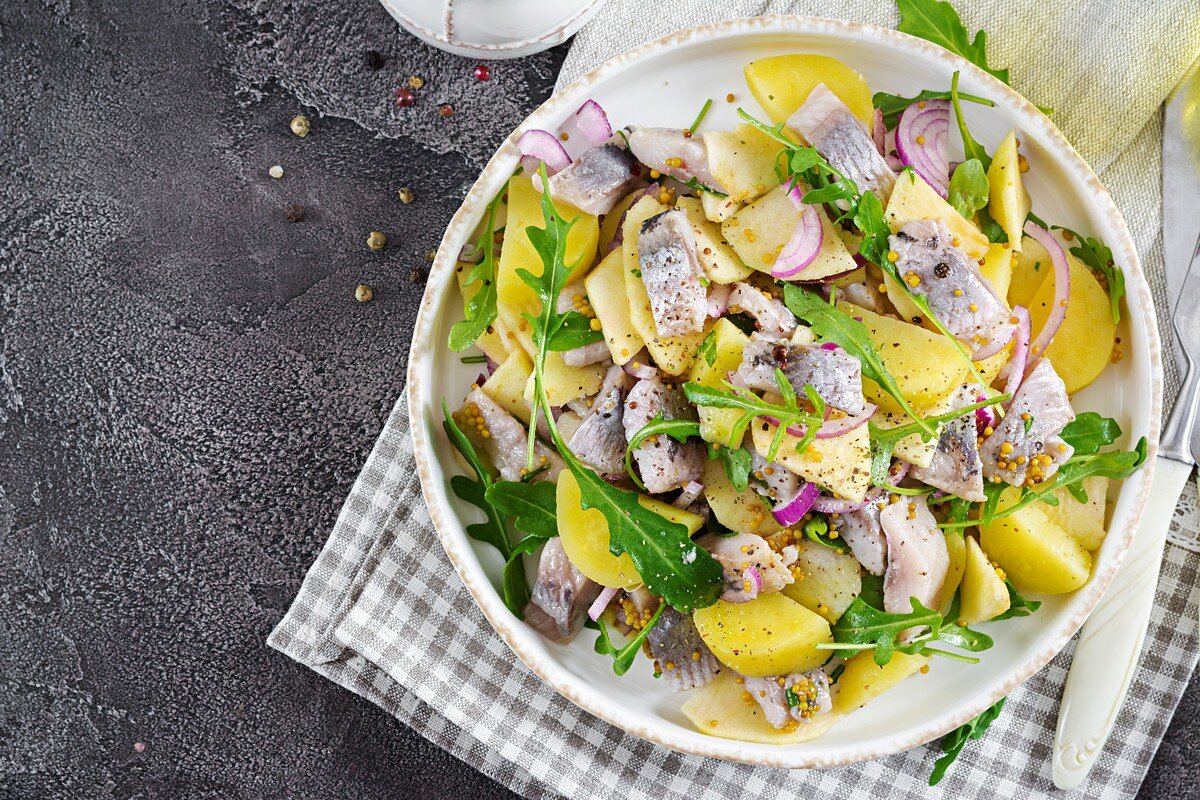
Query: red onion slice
[(843, 425), (929, 156), (998, 343), (794, 510), (833, 505), (602, 601), (1062, 290), (752, 575), (592, 122), (802, 249), (718, 299), (542, 146), (1015, 369), (637, 367)]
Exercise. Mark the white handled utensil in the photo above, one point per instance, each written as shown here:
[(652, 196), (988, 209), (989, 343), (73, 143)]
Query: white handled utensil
[(1106, 655)]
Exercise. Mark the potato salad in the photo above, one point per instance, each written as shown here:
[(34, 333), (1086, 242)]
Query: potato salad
[(782, 414)]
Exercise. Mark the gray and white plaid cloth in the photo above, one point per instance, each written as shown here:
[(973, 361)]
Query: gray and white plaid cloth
[(382, 613)]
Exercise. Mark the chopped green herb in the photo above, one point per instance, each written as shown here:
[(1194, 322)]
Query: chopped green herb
[(708, 348), (972, 148), (695, 126), (474, 359), (736, 461)]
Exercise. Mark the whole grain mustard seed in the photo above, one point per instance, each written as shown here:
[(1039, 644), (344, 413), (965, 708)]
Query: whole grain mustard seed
[(363, 293), (376, 240), (300, 125), (275, 172), (405, 194)]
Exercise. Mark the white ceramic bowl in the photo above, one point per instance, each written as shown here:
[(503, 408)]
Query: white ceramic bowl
[(664, 83)]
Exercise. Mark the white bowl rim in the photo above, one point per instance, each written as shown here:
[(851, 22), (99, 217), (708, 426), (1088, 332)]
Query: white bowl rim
[(573, 687)]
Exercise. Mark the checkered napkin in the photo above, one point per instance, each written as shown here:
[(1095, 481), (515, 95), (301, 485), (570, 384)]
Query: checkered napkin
[(382, 613)]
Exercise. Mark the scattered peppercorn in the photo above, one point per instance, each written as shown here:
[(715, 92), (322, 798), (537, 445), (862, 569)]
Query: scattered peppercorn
[(405, 97), (445, 110), (376, 240), (405, 194), (300, 125), (374, 60), (275, 172), (416, 275), (293, 212), (364, 293), (139, 747), (430, 255), (482, 72), (415, 82), (729, 98)]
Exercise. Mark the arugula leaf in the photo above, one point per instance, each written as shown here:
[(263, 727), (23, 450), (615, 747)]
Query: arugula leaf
[(971, 148), (960, 635), (623, 656), (991, 229), (869, 219), (817, 529), (532, 505), (938, 22), (513, 577), (708, 348), (678, 429), (694, 183), (1018, 606), (953, 743), (575, 331), (736, 461), (492, 530), (479, 312), (864, 627), (884, 440), (751, 406), (1089, 431), (969, 188), (833, 324), (671, 565), (1099, 258), (893, 105)]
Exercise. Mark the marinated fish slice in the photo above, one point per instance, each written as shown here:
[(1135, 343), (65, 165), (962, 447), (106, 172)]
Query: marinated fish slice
[(671, 153), (956, 467), (773, 317), (810, 691), (931, 265), (596, 180), (749, 564), (844, 141), (862, 533), (671, 273), (561, 595), (836, 375), (864, 294), (682, 656), (771, 480), (663, 463), (1025, 447), (917, 557), (584, 355), (502, 437), (599, 441)]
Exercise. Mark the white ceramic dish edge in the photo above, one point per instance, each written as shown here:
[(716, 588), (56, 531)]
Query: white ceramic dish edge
[(425, 414)]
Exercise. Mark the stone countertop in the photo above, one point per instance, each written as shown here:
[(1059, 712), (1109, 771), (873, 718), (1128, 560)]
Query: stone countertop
[(188, 385)]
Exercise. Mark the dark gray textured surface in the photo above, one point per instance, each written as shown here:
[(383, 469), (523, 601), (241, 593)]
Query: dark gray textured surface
[(187, 385)]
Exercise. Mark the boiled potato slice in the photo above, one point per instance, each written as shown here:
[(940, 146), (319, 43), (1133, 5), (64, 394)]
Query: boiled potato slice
[(584, 535), (507, 385), (743, 162), (716, 424), (781, 84), (514, 297), (841, 464), (674, 355), (1008, 202), (744, 512), (770, 635), (1030, 266), (610, 223), (913, 198), (719, 260), (760, 230), (927, 368), (606, 295), (956, 548), (984, 594), (1084, 521), (1036, 555), (564, 382), (720, 708), (827, 580), (1082, 347), (863, 680), (997, 269), (716, 208), (904, 304)]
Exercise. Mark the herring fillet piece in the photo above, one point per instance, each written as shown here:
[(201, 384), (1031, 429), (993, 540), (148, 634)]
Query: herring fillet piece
[(671, 274), (772, 697), (1043, 397), (774, 318), (862, 533), (682, 655), (505, 445), (653, 146), (740, 553), (663, 463), (950, 282), (956, 467), (561, 595), (917, 557), (834, 374), (833, 130), (596, 180)]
